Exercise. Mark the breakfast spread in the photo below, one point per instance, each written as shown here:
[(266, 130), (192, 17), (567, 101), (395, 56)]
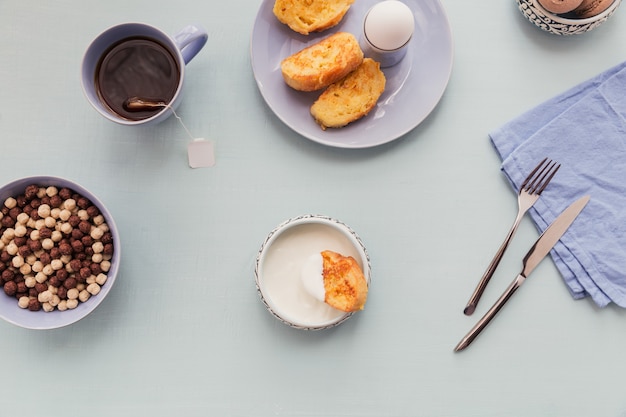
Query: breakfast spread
[(350, 98), (55, 248), (306, 16), (323, 63)]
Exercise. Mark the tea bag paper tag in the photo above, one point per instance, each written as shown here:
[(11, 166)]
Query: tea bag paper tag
[(201, 153)]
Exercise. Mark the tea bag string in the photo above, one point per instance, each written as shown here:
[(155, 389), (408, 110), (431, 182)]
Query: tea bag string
[(180, 120)]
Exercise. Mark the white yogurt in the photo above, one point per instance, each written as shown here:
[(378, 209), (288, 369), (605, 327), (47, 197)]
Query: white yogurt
[(312, 276), (280, 272)]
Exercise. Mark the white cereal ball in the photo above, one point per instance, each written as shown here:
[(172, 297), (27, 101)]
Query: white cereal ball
[(17, 261), (65, 214), (44, 296), (97, 247), (71, 304), (47, 270), (55, 213), (22, 218), (10, 202), (51, 191), (43, 211), (93, 288), (23, 302), (31, 259), (25, 269), (47, 243), (96, 233), (56, 236), (8, 234), (41, 277), (72, 294), (105, 266), (50, 222), (37, 266), (101, 279), (96, 258), (55, 300), (12, 249), (30, 281), (84, 295), (62, 305), (20, 230), (66, 228), (69, 204), (47, 307), (56, 264), (82, 214), (39, 224)]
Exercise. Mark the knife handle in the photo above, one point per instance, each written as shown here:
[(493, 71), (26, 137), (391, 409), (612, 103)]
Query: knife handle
[(489, 315)]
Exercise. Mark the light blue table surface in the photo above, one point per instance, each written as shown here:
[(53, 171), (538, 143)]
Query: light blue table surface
[(183, 332)]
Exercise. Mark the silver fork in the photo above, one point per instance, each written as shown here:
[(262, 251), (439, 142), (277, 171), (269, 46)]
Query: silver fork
[(529, 193)]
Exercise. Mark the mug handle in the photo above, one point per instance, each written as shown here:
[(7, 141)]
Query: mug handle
[(190, 41)]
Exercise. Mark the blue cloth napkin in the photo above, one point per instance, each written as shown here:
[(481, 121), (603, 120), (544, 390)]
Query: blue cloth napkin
[(584, 129)]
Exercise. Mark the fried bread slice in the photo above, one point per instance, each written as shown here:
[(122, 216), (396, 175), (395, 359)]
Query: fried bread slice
[(323, 63), (306, 16), (344, 282), (350, 98)]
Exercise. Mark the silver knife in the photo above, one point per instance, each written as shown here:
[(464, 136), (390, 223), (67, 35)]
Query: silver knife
[(537, 252)]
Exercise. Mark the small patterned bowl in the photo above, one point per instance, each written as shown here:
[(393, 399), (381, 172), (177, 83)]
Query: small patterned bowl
[(280, 260), (559, 24), (41, 320)]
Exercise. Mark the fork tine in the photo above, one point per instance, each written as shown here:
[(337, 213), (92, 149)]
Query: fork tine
[(532, 173), (549, 178), (543, 178)]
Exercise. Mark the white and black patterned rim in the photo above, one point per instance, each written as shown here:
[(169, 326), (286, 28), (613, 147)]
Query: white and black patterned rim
[(296, 220), (544, 20)]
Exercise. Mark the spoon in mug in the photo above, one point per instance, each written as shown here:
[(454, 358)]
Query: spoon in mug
[(143, 104)]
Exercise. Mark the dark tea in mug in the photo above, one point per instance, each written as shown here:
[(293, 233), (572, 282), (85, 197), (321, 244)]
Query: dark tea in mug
[(140, 68)]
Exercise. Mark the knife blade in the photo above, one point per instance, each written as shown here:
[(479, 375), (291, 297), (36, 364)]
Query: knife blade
[(537, 252)]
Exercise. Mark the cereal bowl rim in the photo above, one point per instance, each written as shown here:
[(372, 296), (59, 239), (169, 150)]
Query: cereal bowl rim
[(308, 219), (41, 320)]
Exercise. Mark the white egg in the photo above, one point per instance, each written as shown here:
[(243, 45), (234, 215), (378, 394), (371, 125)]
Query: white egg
[(389, 25)]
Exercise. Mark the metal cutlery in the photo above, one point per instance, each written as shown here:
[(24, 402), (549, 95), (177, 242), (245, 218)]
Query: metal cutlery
[(529, 193), (537, 252)]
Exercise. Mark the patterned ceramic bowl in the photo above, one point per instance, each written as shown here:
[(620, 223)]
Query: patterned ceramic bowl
[(563, 24), (280, 261), (58, 315)]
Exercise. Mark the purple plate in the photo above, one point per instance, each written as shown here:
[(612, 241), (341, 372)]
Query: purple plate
[(414, 86)]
